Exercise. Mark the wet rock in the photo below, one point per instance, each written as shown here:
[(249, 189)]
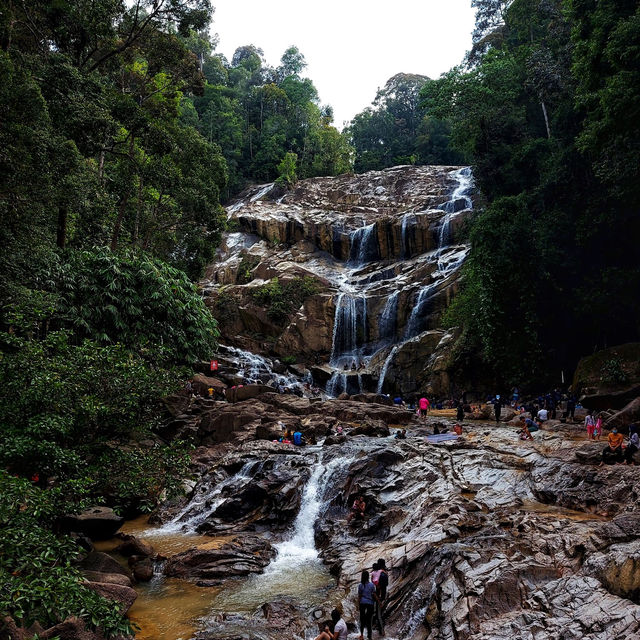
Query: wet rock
[(99, 562), (124, 596), (99, 523), (142, 568), (131, 546), (334, 439), (208, 567), (113, 578), (372, 428)]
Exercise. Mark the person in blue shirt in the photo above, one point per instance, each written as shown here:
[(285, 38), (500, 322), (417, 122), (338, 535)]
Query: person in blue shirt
[(297, 439), (367, 597)]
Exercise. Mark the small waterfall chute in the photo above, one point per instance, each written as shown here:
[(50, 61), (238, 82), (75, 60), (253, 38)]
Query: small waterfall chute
[(389, 318), (364, 245)]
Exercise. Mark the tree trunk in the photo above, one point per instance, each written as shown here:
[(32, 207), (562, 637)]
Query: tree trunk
[(115, 236), (61, 232), (546, 118)]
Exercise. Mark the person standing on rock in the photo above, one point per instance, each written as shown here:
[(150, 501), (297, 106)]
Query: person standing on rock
[(590, 424), (367, 597), (597, 431), (381, 591), (497, 407), (340, 631), (423, 405), (459, 411)]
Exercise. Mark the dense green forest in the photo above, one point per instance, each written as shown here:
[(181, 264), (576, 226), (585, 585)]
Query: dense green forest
[(546, 106), (121, 133)]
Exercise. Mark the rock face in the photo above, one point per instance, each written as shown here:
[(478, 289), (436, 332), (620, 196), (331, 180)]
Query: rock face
[(98, 523), (382, 250), (609, 379), (210, 567), (485, 538)]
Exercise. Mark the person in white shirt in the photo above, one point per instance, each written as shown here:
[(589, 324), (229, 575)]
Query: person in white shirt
[(340, 629), (543, 415)]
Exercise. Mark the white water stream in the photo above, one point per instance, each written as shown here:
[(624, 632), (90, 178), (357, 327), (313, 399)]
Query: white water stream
[(296, 572)]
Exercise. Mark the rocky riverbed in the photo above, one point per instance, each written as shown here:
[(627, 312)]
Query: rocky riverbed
[(486, 537)]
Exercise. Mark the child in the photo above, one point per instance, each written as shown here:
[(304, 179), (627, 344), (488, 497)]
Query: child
[(590, 424), (597, 430)]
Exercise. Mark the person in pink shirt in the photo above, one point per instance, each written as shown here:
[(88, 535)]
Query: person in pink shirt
[(423, 405)]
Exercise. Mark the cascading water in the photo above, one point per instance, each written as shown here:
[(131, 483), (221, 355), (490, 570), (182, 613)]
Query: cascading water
[(389, 318), (408, 219), (364, 245), (447, 265), (254, 368), (385, 367), (296, 570), (350, 330), (416, 318), (204, 503)]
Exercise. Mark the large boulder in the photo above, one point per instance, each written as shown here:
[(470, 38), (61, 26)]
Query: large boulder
[(123, 596), (99, 523), (241, 557), (132, 546), (630, 414)]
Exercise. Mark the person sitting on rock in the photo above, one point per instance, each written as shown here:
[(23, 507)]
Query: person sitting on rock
[(614, 450), (528, 427), (345, 367), (326, 630), (633, 446), (458, 429), (353, 366), (543, 415), (401, 434), (340, 631), (358, 508)]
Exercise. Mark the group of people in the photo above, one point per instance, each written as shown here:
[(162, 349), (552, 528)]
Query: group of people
[(354, 366), (289, 436), (372, 593)]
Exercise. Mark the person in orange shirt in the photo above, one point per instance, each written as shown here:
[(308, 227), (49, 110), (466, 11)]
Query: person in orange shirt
[(614, 450)]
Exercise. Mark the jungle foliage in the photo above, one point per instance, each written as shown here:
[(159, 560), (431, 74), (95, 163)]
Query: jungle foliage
[(547, 107)]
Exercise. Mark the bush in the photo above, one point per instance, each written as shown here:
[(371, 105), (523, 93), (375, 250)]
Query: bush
[(282, 300), (131, 299), (38, 581)]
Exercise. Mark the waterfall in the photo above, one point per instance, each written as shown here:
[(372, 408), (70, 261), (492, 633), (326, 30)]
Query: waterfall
[(385, 367), (254, 368), (389, 318), (364, 245), (407, 219), (296, 569), (350, 329), (337, 384), (458, 201), (204, 503), (262, 192), (417, 313)]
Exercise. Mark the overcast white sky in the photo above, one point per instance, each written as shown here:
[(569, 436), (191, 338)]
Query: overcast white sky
[(352, 47)]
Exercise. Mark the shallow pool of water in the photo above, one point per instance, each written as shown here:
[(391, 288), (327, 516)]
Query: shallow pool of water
[(170, 609)]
